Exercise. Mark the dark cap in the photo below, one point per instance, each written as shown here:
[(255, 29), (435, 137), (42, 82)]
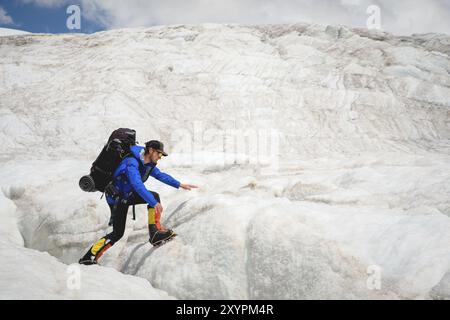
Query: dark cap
[(157, 145)]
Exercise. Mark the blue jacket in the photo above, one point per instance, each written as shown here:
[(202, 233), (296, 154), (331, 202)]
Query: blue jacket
[(130, 175)]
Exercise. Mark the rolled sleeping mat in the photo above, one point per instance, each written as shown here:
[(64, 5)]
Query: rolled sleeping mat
[(87, 184)]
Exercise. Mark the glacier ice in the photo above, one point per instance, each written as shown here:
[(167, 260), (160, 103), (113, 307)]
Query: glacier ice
[(361, 182)]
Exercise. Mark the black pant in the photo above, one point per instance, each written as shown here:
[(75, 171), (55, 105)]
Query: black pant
[(119, 215)]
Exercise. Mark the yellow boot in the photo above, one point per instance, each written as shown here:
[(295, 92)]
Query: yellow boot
[(96, 251), (157, 234)]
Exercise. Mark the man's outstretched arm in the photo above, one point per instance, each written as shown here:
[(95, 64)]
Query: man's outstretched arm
[(165, 178), (169, 180)]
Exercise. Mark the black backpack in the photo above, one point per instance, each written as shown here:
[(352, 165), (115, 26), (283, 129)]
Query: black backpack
[(102, 170)]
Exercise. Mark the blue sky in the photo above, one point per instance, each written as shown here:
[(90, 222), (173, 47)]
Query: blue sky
[(41, 19), (401, 17)]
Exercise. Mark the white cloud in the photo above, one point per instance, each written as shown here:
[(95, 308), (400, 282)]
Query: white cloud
[(5, 18), (399, 17)]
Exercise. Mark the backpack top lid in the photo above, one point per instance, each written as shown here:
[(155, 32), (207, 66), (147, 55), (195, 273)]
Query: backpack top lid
[(124, 135)]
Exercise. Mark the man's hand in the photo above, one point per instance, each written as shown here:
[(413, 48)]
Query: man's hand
[(158, 208), (186, 186)]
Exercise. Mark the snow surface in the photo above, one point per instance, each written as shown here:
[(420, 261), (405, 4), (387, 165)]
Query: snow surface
[(361, 181), (11, 32)]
